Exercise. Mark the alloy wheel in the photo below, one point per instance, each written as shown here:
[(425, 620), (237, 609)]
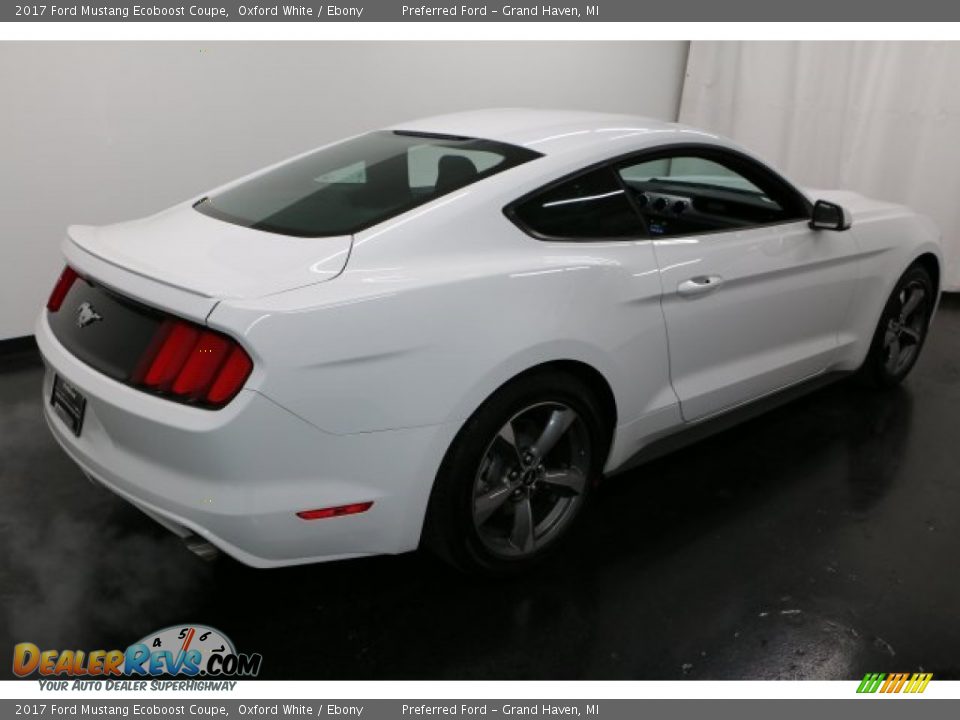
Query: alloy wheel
[(905, 328), (531, 480)]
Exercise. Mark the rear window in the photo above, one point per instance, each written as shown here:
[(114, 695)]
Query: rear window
[(344, 188)]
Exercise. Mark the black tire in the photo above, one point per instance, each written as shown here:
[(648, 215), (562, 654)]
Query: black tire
[(889, 361), (479, 463)]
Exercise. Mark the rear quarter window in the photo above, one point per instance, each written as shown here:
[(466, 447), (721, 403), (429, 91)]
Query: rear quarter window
[(591, 206)]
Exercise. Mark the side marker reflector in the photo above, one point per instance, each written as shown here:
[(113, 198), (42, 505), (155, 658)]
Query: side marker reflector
[(330, 512)]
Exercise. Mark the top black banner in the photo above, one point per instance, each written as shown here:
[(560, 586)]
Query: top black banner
[(515, 11)]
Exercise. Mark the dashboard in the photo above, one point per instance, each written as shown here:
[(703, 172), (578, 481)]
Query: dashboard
[(675, 208)]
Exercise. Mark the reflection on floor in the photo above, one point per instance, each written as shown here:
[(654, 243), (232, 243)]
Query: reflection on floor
[(818, 541)]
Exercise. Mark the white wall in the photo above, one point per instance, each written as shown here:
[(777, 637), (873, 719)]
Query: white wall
[(101, 132)]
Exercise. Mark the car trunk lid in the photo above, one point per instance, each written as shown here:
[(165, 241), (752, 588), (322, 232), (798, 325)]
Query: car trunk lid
[(182, 248), (133, 281)]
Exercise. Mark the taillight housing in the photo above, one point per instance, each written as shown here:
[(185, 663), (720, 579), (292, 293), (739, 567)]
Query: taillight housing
[(60, 290), (192, 364), (183, 361)]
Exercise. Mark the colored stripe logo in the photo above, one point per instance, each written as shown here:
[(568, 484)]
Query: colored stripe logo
[(894, 682)]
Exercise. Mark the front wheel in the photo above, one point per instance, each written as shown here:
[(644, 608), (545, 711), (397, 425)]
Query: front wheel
[(518, 475), (902, 329)]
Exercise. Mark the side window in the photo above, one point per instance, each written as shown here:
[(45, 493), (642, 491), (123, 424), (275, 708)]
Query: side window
[(592, 206), (687, 195)]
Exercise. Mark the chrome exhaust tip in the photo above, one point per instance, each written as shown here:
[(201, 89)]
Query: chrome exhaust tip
[(201, 548)]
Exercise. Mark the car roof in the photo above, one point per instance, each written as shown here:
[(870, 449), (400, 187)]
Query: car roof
[(555, 131)]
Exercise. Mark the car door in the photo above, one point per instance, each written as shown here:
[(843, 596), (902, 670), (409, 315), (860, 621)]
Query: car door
[(752, 297)]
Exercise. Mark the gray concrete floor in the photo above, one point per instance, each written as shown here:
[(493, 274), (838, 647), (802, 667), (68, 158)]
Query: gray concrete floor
[(819, 541)]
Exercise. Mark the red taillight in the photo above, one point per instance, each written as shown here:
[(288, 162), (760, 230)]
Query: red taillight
[(178, 339), (60, 290), (330, 512), (193, 364), (232, 375)]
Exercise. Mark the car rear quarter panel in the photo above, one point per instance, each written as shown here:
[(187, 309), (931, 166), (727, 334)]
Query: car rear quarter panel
[(431, 317)]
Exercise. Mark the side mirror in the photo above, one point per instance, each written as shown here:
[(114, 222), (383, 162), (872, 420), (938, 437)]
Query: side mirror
[(830, 216)]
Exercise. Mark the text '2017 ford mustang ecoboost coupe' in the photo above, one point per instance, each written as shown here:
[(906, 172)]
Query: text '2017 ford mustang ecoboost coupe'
[(447, 330)]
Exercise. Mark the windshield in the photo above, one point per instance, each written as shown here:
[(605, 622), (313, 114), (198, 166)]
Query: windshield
[(349, 186)]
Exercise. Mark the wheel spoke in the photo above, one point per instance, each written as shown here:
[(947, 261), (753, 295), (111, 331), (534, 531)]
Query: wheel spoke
[(510, 438), (487, 504), (568, 482), (912, 303), (521, 535), (910, 333), (894, 357), (559, 422), (889, 336)]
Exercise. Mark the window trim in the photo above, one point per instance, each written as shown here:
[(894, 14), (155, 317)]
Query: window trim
[(705, 151)]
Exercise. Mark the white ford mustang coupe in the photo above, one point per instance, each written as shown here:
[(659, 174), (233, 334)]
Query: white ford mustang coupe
[(446, 331)]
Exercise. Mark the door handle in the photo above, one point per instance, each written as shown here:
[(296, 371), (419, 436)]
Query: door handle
[(699, 285)]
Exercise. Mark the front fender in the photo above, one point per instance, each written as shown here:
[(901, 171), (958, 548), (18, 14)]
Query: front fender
[(888, 245)]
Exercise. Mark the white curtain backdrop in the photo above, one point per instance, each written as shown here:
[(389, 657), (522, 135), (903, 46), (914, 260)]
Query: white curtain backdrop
[(880, 118)]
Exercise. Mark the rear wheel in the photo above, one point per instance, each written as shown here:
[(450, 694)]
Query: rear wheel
[(902, 329), (518, 475)]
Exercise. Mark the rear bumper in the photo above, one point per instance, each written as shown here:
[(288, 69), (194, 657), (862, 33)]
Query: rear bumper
[(237, 476)]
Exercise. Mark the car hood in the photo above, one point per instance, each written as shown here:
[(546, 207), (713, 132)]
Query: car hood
[(182, 248)]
